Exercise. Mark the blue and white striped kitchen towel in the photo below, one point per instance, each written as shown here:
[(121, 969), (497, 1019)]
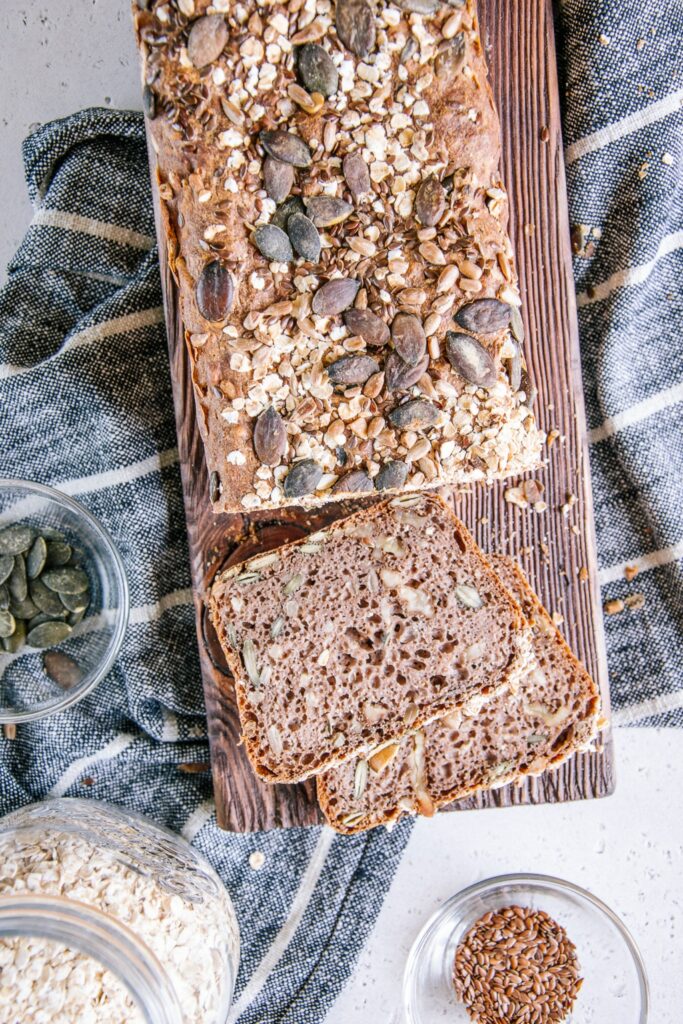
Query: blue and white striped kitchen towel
[(623, 129), (85, 405)]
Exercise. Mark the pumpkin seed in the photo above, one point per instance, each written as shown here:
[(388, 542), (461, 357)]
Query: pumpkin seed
[(45, 599), (149, 103), (15, 539), (352, 369), (409, 338), (296, 583), (391, 475), (36, 558), (25, 609), (214, 292), (291, 205), (469, 358), (414, 414), (367, 325), (325, 211), (250, 662), (18, 638), (317, 72), (75, 603), (58, 553), (214, 487), (335, 296), (399, 376), (207, 39), (355, 482), (18, 582), (62, 669), (6, 566), (48, 634), (423, 7), (7, 624), (264, 561), (484, 316), (360, 779), (278, 179), (41, 617), (231, 634), (450, 57), (304, 237), (468, 596), (516, 324), (66, 580), (356, 174), (273, 243), (270, 437), (355, 23), (49, 533), (303, 478), (285, 146), (529, 389), (430, 202), (247, 577), (4, 597), (353, 819)]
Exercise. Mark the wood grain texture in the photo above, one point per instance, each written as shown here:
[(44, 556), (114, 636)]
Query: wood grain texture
[(552, 546)]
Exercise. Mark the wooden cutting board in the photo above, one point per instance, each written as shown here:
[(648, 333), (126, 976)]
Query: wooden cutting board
[(553, 546)]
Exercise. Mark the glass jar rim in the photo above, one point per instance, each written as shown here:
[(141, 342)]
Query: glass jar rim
[(107, 940)]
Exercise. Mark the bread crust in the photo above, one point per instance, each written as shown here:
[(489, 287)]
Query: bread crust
[(412, 118)]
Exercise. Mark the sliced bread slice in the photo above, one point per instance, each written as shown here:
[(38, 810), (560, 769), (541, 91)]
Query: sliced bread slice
[(389, 619), (552, 713)]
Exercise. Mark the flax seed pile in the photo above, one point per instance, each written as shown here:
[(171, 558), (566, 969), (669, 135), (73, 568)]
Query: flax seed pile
[(517, 964)]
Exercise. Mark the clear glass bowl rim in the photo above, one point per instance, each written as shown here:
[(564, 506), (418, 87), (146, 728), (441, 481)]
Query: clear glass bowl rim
[(70, 697), (15, 822), (550, 882)]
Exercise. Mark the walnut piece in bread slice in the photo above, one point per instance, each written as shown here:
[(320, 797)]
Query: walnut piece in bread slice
[(551, 713), (352, 638)]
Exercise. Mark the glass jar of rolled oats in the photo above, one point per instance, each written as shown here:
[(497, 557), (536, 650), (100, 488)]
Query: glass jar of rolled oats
[(106, 917)]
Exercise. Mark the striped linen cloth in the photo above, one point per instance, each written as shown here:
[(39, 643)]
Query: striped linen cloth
[(623, 129), (85, 405)]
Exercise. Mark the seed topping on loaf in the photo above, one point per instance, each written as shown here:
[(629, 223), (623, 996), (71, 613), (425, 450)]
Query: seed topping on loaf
[(323, 158)]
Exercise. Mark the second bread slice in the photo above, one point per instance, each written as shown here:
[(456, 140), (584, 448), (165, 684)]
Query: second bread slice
[(546, 717), (347, 640)]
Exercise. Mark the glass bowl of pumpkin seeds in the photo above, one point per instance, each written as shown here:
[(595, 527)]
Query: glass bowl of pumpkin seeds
[(63, 601)]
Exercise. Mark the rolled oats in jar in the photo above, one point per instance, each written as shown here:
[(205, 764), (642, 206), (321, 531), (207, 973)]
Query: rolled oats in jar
[(105, 917)]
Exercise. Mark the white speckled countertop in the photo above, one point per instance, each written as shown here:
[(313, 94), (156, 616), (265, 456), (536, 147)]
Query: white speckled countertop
[(62, 55)]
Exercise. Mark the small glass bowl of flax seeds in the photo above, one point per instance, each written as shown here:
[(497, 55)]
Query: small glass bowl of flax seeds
[(63, 602), (525, 949)]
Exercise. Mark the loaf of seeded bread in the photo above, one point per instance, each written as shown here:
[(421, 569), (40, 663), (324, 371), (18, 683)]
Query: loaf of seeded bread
[(547, 717), (335, 221), (352, 638)]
